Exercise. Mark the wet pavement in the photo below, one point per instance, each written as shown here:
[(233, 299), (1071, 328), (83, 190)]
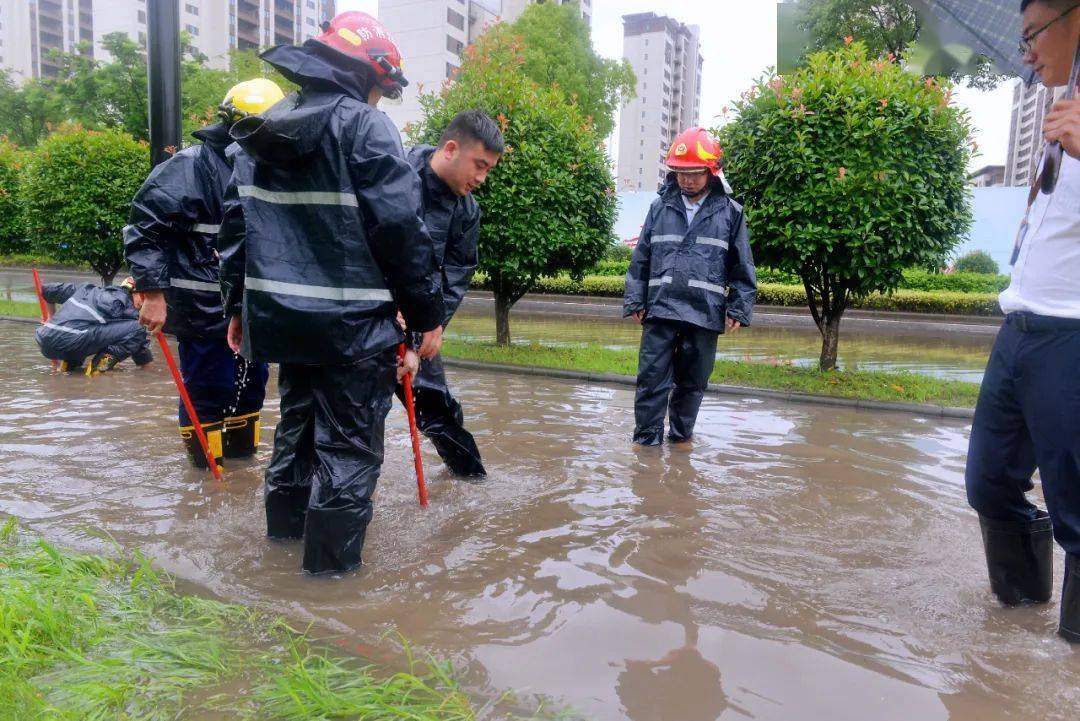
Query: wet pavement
[(795, 563)]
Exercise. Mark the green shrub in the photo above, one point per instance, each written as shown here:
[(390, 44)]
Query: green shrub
[(77, 191), (954, 282), (12, 220), (781, 294), (977, 261)]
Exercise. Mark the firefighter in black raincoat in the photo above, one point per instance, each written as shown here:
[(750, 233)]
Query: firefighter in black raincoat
[(171, 246), (691, 278), (93, 322), (322, 243), (469, 148)]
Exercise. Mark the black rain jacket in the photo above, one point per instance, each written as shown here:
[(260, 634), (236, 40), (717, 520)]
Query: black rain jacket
[(170, 241), (695, 274), (322, 240), (454, 224)]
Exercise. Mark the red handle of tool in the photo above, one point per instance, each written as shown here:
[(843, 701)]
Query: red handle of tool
[(40, 295), (41, 302), (210, 461), (418, 460)]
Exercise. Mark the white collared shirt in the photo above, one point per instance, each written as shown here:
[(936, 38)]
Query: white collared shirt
[(692, 208), (1046, 277)]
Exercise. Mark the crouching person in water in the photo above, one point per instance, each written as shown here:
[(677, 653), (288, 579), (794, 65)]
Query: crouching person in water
[(101, 324), (321, 243), (691, 278), (170, 244), (469, 148)]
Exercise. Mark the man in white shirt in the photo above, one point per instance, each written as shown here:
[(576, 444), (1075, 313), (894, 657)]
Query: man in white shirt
[(1028, 414)]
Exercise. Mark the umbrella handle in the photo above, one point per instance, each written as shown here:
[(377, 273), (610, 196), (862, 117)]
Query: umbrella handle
[(210, 460), (410, 408)]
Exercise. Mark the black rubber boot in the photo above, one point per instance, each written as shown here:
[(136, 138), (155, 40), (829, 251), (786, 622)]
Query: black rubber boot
[(1020, 559), (194, 448), (1069, 626), (241, 436)]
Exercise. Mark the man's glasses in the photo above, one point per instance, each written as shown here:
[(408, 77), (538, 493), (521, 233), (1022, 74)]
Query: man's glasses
[(1029, 39)]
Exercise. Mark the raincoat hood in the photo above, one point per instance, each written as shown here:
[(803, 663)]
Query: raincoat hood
[(717, 184), (288, 131), (215, 136), (312, 66)]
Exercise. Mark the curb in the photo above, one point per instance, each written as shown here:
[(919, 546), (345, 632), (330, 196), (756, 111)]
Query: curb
[(719, 389)]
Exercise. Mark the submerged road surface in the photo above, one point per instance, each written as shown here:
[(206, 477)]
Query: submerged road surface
[(795, 563)]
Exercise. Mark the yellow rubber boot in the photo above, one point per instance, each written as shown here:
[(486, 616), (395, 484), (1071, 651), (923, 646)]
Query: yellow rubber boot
[(241, 436), (194, 449)]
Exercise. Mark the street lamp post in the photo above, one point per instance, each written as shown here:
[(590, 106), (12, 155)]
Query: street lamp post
[(163, 60)]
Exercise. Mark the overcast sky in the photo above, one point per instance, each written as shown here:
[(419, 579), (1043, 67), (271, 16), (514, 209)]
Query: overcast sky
[(738, 40)]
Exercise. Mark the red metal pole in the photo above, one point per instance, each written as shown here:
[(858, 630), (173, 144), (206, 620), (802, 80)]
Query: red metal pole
[(210, 461), (41, 302), (418, 460)]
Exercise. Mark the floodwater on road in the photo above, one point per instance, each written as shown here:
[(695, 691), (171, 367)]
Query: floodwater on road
[(796, 562), (952, 356)]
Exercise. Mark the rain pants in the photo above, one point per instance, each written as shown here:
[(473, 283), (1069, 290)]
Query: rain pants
[(454, 224), (321, 244), (170, 243), (92, 320), (687, 278)]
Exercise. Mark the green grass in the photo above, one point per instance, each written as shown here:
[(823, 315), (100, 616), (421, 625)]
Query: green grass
[(84, 637), (37, 260), (20, 309), (868, 385)]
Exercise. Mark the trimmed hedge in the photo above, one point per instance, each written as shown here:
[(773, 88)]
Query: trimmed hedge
[(913, 279), (911, 301), (12, 219)]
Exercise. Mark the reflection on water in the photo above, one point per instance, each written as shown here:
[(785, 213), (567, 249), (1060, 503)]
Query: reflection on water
[(952, 356), (795, 562)]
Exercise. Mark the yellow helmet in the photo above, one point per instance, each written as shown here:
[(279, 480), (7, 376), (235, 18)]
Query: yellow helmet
[(250, 97)]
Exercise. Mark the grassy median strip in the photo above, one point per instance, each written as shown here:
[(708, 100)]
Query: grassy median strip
[(866, 385), (20, 309), (89, 637)]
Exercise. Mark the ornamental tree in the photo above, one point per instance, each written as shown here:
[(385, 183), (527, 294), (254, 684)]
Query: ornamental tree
[(851, 170), (12, 218), (549, 205), (77, 191)]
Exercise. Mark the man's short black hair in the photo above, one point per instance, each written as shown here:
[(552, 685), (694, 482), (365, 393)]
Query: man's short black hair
[(474, 126)]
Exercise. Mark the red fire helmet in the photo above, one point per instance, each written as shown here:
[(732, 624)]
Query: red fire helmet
[(694, 149), (361, 37)]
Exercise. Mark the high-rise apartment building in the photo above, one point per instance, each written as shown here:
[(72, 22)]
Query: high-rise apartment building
[(432, 36), (29, 29), (666, 58), (1030, 105)]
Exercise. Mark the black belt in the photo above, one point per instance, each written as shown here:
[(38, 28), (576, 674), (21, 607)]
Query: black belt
[(1031, 323)]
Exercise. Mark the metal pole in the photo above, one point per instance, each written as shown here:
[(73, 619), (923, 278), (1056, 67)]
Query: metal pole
[(163, 66)]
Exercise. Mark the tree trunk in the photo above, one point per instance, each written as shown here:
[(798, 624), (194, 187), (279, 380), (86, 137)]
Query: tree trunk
[(502, 319), (830, 341)]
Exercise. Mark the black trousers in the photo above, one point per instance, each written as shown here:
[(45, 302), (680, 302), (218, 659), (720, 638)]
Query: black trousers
[(121, 339), (328, 452), (439, 417), (674, 365), (220, 382), (1028, 417)]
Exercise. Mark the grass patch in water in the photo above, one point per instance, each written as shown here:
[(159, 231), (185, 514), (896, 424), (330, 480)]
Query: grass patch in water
[(84, 637), (20, 309), (868, 385)]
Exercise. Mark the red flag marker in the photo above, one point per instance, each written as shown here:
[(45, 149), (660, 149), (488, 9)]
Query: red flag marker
[(418, 460), (210, 461), (41, 302)]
